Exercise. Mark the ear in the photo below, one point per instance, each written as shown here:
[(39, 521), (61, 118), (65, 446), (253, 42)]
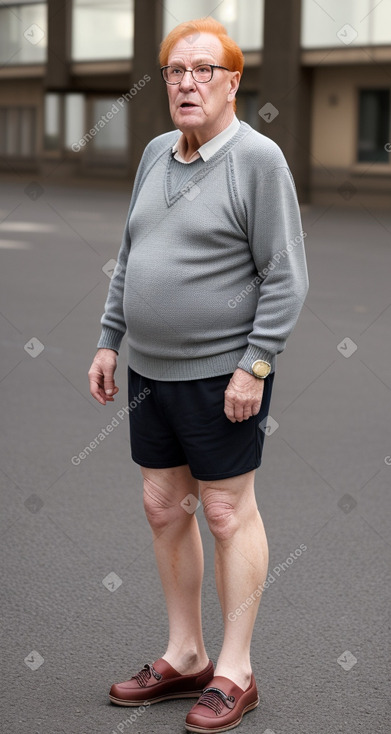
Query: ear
[(234, 85)]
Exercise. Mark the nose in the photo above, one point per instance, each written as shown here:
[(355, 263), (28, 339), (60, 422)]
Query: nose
[(187, 82)]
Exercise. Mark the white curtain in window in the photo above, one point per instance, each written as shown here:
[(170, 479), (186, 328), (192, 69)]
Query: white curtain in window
[(243, 19), (74, 118), (113, 136), (336, 23), (102, 29), (23, 34)]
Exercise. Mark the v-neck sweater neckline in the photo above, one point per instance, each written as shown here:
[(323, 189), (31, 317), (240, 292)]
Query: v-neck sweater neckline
[(201, 169)]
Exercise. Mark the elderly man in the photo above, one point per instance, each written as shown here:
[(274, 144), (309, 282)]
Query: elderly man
[(210, 281)]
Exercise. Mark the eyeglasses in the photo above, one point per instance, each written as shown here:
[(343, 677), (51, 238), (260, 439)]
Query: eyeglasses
[(202, 73)]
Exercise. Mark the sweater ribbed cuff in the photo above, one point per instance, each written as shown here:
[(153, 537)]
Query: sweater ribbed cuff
[(253, 353), (110, 339)]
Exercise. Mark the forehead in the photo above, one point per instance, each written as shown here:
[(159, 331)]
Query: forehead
[(200, 47)]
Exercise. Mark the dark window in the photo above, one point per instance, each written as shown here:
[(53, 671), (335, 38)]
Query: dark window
[(374, 125), (247, 108)]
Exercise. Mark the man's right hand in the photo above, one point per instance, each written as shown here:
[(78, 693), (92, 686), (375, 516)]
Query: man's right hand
[(101, 376)]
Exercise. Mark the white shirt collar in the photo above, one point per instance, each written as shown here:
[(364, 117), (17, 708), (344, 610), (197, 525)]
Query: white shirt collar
[(211, 147)]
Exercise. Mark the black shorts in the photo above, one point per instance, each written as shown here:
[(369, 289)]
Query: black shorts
[(183, 422)]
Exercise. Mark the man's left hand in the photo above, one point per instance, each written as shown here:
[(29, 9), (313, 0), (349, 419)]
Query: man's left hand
[(243, 396)]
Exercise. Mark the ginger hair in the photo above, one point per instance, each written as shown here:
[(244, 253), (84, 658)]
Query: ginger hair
[(233, 57)]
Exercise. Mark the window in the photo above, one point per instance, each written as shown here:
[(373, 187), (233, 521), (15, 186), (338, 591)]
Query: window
[(18, 125), (96, 126), (247, 108), (52, 126), (242, 19), (374, 125), (110, 121), (23, 34), (64, 121), (74, 125), (102, 29), (339, 23)]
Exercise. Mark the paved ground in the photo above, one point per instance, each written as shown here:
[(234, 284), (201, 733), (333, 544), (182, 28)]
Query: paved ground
[(322, 634)]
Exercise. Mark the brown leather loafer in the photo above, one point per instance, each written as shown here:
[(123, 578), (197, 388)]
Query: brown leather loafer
[(159, 682), (221, 706)]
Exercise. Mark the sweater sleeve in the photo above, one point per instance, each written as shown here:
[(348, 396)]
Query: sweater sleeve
[(113, 321), (276, 240)]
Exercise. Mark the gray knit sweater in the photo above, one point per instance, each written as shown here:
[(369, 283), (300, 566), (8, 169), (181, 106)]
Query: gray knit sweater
[(211, 274)]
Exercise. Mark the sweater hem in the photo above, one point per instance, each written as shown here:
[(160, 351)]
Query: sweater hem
[(186, 369)]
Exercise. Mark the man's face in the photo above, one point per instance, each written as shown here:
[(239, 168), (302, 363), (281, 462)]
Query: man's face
[(196, 106)]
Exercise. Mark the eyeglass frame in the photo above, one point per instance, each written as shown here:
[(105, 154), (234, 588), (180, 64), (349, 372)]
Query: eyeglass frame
[(212, 66)]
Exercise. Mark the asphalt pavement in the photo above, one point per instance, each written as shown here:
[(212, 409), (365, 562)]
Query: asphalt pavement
[(82, 604)]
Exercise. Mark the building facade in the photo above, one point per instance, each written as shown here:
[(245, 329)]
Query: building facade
[(81, 92)]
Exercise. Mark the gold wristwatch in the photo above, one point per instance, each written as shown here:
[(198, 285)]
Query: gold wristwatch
[(260, 368)]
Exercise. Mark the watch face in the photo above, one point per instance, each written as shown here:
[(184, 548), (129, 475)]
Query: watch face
[(261, 368)]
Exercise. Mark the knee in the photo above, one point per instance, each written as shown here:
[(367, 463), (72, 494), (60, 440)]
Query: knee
[(221, 516), (160, 508)]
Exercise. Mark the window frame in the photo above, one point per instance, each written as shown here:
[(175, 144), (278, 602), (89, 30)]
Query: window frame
[(359, 90)]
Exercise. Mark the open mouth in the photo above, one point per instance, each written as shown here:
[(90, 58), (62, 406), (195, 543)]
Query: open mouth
[(188, 104)]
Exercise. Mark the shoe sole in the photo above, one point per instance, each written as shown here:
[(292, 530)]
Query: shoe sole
[(168, 696), (214, 730)]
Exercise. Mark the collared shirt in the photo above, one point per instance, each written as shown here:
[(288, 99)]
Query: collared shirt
[(211, 147)]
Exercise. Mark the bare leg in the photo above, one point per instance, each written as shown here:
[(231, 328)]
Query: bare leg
[(180, 561), (241, 561)]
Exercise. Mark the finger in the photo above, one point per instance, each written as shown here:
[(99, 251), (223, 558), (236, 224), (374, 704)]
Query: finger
[(95, 378), (97, 392), (229, 409), (244, 407), (109, 384), (110, 398), (243, 410), (238, 411)]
